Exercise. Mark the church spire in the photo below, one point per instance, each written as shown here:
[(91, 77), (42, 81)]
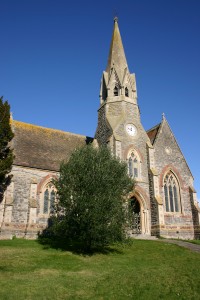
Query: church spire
[(117, 83), (117, 58)]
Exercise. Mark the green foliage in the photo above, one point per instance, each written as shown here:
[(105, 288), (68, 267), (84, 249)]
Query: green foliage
[(90, 190), (6, 154)]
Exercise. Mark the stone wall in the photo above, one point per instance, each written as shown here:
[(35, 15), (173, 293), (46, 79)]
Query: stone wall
[(153, 202), (195, 213), (113, 116), (103, 131), (168, 156), (20, 210)]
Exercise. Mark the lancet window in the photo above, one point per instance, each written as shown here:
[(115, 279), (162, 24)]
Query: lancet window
[(48, 198), (116, 91), (126, 92), (172, 193), (133, 164)]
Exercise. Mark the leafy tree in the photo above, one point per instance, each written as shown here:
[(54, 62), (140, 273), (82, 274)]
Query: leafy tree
[(6, 154), (91, 190)]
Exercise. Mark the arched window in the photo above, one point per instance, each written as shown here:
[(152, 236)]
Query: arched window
[(126, 92), (172, 194), (48, 198), (116, 91), (133, 164)]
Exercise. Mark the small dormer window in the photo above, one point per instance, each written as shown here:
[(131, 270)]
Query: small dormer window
[(116, 91), (126, 92)]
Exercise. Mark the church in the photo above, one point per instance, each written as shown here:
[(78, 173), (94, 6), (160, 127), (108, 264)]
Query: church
[(164, 199)]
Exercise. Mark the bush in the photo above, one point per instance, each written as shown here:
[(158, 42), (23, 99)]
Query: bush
[(90, 190), (6, 154)]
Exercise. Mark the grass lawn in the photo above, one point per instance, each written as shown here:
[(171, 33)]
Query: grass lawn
[(141, 270), (194, 241)]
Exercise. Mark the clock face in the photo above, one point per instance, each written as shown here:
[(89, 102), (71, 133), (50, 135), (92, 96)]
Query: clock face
[(131, 129)]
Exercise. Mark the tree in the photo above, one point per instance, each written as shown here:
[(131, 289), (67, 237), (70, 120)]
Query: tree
[(91, 190), (6, 154)]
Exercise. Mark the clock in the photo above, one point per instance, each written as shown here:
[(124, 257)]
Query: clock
[(131, 129)]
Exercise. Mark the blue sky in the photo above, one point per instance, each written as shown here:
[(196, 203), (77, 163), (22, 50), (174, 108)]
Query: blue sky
[(53, 52)]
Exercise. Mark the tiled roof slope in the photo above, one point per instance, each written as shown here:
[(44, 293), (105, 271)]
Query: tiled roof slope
[(43, 148), (152, 133)]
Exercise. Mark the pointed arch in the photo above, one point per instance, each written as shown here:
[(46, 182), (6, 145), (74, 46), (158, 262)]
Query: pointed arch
[(113, 84), (47, 199), (129, 82), (126, 92), (103, 89), (134, 164), (116, 91), (47, 195), (44, 181), (171, 190), (174, 170), (143, 207)]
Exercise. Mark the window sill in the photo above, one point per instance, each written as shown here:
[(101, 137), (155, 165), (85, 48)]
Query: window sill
[(172, 213)]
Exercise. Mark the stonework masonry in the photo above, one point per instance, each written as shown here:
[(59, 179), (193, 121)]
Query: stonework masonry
[(20, 210), (164, 199)]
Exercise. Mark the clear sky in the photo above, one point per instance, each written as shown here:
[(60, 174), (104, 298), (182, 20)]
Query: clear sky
[(53, 52)]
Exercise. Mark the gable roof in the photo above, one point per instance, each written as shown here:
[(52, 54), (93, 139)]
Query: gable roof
[(152, 133), (157, 130), (43, 148)]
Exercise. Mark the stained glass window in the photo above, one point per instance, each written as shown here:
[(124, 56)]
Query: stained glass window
[(166, 198), (133, 165), (52, 200), (46, 200), (49, 196), (130, 167), (172, 194)]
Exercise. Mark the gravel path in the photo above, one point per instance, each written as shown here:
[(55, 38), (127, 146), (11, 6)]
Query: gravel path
[(193, 247)]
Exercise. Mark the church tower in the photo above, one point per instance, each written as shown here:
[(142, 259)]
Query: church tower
[(164, 201), (119, 125)]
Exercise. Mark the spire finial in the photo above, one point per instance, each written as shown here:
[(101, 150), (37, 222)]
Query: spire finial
[(115, 19), (163, 116)]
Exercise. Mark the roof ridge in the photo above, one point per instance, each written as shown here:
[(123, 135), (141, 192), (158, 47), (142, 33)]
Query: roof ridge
[(46, 128), (152, 128)]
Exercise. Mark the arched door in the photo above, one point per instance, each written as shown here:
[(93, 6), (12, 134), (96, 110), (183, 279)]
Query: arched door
[(135, 215)]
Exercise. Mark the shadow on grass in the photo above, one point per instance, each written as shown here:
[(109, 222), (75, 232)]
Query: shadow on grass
[(76, 247), (50, 239)]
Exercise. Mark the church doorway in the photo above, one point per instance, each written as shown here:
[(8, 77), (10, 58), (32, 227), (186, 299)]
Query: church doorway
[(135, 216)]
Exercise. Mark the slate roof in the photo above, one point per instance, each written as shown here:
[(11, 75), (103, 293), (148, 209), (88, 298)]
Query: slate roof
[(43, 148), (152, 133)]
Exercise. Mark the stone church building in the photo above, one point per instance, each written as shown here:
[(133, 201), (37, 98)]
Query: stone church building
[(164, 200)]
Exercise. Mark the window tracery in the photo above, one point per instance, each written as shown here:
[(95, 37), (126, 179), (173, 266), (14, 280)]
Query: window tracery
[(172, 194), (133, 164), (48, 198)]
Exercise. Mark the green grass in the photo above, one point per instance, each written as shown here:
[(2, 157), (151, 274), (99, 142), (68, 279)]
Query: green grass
[(197, 242), (141, 270), (194, 241)]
